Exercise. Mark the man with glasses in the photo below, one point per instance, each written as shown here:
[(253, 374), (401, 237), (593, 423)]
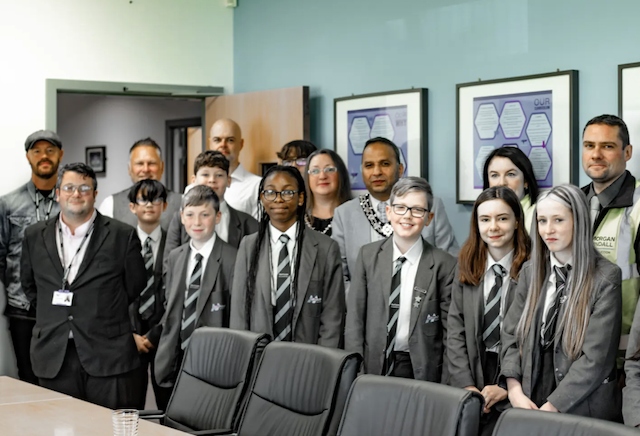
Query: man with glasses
[(145, 162), (363, 219), (81, 271), (295, 154), (32, 202), (400, 293)]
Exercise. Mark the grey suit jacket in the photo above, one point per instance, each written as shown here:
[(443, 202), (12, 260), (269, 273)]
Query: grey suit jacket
[(352, 230), (212, 309), (319, 311), (584, 386), (368, 309), (465, 347)]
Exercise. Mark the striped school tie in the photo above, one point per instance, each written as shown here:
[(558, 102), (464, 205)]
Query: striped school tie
[(190, 302), (147, 297), (282, 309), (549, 328), (491, 326), (394, 309)]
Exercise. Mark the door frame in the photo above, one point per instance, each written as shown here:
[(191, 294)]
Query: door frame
[(170, 146)]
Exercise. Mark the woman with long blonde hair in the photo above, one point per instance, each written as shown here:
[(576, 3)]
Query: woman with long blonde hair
[(561, 334)]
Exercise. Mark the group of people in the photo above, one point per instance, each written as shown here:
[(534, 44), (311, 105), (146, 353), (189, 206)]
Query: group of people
[(535, 311)]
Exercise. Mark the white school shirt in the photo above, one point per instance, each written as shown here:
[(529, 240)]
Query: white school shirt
[(155, 236), (71, 243), (242, 194), (276, 246), (551, 289), (205, 252), (490, 280), (222, 228), (407, 280)]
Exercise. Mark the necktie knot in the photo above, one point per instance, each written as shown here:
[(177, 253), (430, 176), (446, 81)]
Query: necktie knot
[(147, 243), (198, 257), (561, 274), (382, 211), (284, 238), (498, 270), (397, 265)]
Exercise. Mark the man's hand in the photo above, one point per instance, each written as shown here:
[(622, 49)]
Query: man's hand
[(140, 343)]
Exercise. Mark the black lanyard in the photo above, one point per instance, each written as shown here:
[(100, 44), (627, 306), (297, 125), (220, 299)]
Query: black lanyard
[(38, 195), (66, 268)]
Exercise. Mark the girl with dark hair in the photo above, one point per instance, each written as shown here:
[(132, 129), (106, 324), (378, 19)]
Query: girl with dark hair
[(510, 167), (328, 186), (560, 337), (296, 153), (288, 279), (488, 265)]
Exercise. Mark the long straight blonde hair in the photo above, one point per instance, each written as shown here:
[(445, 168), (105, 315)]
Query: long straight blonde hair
[(579, 287)]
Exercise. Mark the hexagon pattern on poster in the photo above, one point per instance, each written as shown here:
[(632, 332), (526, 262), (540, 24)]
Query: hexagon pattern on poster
[(541, 161), (512, 119), (382, 126), (483, 152), (359, 134), (538, 129), (486, 121)]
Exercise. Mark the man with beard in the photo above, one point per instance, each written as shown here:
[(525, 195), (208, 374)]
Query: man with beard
[(32, 202)]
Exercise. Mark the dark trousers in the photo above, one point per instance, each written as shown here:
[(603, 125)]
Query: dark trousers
[(21, 327), (491, 369), (162, 394), (114, 392), (402, 365)]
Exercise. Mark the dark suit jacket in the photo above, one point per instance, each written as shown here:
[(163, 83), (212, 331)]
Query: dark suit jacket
[(368, 309), (111, 276), (151, 328), (583, 386), (465, 347), (240, 225), (319, 312), (212, 308)]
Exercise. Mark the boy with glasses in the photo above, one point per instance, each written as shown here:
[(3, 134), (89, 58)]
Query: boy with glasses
[(295, 154), (147, 201), (409, 281)]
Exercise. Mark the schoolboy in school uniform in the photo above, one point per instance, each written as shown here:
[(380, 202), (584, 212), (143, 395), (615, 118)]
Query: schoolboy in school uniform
[(147, 201), (198, 278), (211, 168), (400, 294)]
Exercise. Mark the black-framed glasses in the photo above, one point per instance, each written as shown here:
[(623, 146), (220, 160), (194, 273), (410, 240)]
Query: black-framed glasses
[(271, 195), (301, 162), (155, 201), (326, 170), (416, 212), (71, 189)]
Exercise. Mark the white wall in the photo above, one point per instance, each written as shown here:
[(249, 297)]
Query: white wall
[(178, 42), (116, 122)]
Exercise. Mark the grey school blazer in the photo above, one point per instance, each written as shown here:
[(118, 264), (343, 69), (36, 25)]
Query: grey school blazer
[(465, 347), (319, 312), (352, 230), (631, 392), (368, 309), (586, 386), (212, 308)]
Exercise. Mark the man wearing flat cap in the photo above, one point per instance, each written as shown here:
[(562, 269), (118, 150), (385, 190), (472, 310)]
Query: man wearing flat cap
[(32, 202)]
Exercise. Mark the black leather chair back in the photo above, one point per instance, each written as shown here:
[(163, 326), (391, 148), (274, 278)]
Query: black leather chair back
[(381, 406), (300, 390), (212, 386), (522, 422)]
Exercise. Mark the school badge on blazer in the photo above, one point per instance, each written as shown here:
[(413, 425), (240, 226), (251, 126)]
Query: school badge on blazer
[(217, 307), (314, 299)]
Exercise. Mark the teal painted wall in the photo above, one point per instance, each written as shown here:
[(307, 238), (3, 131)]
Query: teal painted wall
[(339, 48)]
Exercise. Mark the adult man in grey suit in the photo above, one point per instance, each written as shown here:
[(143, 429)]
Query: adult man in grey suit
[(362, 220), (145, 162)]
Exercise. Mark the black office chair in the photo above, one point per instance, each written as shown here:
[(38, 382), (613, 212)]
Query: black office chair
[(381, 406), (300, 390), (213, 383), (523, 422)]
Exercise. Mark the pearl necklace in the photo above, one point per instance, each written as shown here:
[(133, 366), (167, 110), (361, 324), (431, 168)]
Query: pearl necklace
[(307, 221)]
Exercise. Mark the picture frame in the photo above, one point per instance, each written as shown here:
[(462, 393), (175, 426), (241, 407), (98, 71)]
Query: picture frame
[(629, 108), (537, 113), (400, 116), (96, 158)]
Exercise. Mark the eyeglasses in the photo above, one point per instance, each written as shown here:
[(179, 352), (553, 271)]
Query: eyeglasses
[(155, 201), (301, 161), (326, 170), (82, 189), (416, 212), (271, 195)]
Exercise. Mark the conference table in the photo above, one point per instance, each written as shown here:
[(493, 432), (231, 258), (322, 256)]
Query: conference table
[(31, 410)]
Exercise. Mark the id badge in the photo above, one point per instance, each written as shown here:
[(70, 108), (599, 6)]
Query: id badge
[(62, 298)]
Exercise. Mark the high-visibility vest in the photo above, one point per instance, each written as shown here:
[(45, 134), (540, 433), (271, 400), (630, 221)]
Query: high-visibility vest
[(528, 209)]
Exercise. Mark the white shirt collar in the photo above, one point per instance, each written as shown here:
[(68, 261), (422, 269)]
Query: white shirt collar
[(505, 262), (375, 202), (81, 230), (412, 255), (240, 173), (224, 207), (154, 235), (206, 249), (556, 262), (290, 232)]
